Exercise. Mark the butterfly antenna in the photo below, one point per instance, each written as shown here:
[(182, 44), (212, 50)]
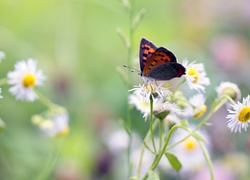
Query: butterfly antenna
[(132, 69)]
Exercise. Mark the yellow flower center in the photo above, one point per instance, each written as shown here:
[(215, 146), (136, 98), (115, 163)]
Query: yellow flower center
[(63, 133), (193, 72), (190, 144), (244, 114), (150, 88), (201, 112), (29, 81)]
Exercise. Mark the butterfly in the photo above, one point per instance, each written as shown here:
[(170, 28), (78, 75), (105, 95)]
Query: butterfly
[(158, 63)]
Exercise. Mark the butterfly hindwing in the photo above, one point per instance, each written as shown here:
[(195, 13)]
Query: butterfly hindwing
[(167, 71), (147, 48), (159, 57)]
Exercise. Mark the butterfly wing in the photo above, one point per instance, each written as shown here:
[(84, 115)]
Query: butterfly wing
[(147, 48), (167, 71), (159, 57)]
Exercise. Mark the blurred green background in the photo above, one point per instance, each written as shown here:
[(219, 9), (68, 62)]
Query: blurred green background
[(78, 49)]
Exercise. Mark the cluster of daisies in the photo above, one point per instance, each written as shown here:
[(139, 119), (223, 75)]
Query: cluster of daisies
[(23, 80), (176, 107), (169, 105)]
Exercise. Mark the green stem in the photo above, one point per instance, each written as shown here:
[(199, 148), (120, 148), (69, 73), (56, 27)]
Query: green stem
[(151, 122), (199, 125), (208, 159), (131, 39), (148, 135), (51, 161), (229, 99), (129, 58), (177, 87), (157, 160), (45, 100), (160, 133)]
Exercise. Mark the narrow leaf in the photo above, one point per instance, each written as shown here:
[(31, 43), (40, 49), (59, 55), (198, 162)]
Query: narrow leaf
[(123, 37), (126, 4), (174, 161), (138, 18)]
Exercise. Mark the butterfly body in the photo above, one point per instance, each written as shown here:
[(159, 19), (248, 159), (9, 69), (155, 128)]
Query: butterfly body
[(158, 63)]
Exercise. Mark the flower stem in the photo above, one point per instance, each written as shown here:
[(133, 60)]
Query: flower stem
[(177, 87), (45, 100), (158, 158), (129, 58), (131, 39), (51, 161), (143, 148), (160, 133), (151, 122), (217, 106), (208, 159)]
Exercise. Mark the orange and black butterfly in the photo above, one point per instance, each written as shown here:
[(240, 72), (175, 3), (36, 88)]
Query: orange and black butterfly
[(158, 63)]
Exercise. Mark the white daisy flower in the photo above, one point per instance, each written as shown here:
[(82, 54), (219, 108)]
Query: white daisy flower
[(230, 89), (24, 78), (54, 126), (151, 88), (196, 107), (2, 55), (239, 116), (196, 76), (142, 103)]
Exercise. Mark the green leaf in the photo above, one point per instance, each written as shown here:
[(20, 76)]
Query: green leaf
[(153, 175), (174, 161)]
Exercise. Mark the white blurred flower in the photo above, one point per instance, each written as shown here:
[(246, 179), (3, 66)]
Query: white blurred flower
[(173, 118), (142, 103), (56, 126), (239, 115), (147, 160), (188, 152), (24, 78), (230, 89), (196, 107), (1, 93), (117, 141), (2, 55), (196, 76)]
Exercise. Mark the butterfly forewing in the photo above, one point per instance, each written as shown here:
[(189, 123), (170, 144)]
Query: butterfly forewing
[(159, 57), (147, 48)]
